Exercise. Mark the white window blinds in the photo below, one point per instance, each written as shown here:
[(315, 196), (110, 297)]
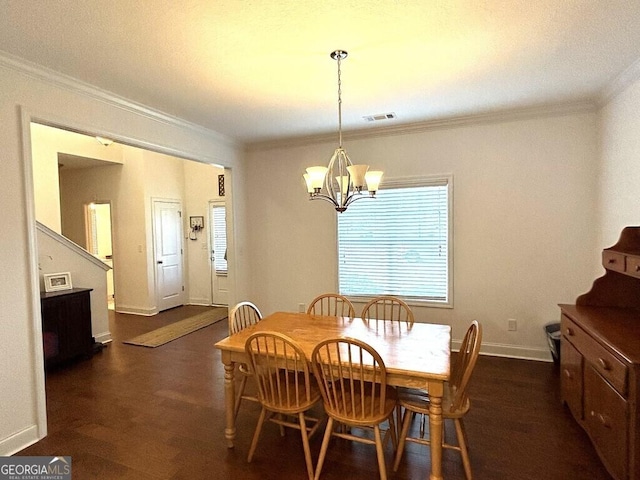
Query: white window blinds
[(398, 244), (220, 239)]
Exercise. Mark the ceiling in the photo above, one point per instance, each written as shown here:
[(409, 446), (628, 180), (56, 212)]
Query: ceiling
[(260, 70)]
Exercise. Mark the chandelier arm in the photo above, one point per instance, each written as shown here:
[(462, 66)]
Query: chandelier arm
[(326, 198), (355, 196)]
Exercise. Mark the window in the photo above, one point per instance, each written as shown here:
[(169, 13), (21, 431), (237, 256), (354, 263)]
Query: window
[(219, 216), (399, 244)]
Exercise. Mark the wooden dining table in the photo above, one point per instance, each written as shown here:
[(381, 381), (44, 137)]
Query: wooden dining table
[(416, 355)]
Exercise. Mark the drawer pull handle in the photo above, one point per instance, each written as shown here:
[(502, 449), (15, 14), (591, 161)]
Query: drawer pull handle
[(567, 373), (604, 364), (637, 268), (612, 260), (570, 331)]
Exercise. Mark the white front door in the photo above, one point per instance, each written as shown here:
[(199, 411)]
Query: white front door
[(218, 244), (167, 221)]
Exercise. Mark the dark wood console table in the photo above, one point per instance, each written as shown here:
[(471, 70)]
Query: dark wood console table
[(66, 325), (600, 358)]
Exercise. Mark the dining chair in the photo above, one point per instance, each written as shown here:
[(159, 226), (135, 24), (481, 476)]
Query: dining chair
[(286, 387), (388, 313), (353, 382), (332, 304), (455, 403), (388, 308), (241, 316)]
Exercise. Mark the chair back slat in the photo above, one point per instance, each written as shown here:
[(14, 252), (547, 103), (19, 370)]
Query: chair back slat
[(388, 308), (352, 378), (465, 363), (281, 370), (243, 315), (332, 304)]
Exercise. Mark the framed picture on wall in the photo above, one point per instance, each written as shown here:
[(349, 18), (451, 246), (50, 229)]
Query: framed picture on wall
[(57, 281)]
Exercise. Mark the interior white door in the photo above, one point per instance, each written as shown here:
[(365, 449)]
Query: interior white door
[(167, 218), (218, 243)]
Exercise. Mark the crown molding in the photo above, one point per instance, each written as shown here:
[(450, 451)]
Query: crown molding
[(570, 108), (74, 85), (620, 83)]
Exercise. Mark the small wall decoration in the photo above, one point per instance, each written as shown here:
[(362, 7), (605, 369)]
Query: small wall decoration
[(57, 281), (196, 223), (221, 185)]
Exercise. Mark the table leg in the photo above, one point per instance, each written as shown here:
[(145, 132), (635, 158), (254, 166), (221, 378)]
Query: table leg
[(229, 401), (435, 432)]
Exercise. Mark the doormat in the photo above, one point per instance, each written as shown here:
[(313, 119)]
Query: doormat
[(170, 332)]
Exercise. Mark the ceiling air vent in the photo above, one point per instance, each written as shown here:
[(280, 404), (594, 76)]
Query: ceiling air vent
[(380, 116)]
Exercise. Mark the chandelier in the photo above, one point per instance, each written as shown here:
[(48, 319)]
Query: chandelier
[(343, 181)]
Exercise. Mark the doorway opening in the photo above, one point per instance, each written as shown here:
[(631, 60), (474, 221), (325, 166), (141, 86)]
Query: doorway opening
[(100, 240)]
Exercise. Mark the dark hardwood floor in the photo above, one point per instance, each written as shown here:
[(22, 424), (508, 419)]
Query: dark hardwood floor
[(141, 413)]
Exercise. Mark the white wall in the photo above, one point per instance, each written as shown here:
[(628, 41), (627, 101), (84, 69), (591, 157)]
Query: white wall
[(41, 95), (524, 236), (202, 185), (619, 186), (47, 142), (123, 186)]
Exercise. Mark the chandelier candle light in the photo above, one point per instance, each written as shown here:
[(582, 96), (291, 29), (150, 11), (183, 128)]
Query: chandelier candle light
[(343, 182)]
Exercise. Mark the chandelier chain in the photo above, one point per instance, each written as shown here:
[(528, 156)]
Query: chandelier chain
[(339, 101)]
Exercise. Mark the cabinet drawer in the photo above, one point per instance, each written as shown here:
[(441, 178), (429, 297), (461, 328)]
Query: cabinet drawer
[(633, 266), (603, 361), (613, 261), (605, 416)]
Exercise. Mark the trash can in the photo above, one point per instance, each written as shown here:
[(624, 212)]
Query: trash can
[(553, 338)]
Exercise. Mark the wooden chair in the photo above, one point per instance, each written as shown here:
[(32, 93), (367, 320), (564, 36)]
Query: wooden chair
[(455, 403), (286, 386), (332, 304), (241, 316), (388, 313), (353, 381), (388, 308)]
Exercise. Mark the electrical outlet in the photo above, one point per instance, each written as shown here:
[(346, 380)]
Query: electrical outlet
[(302, 308), (512, 325)]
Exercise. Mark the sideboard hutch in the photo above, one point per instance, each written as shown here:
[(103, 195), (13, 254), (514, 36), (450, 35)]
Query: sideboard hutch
[(600, 358), (66, 325)]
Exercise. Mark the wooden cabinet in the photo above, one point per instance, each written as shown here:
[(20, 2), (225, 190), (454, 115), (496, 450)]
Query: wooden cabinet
[(66, 325), (600, 359)]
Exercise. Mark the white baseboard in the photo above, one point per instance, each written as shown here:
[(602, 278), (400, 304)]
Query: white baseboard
[(148, 312), (19, 441), (104, 337), (203, 302), (510, 351)]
